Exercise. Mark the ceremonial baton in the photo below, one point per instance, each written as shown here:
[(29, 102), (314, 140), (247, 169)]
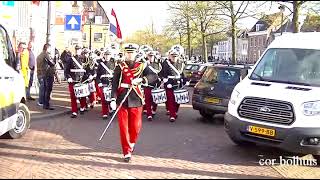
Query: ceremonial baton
[(114, 115)]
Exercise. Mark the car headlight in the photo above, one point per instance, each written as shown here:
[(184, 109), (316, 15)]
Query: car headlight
[(311, 108), (234, 97)]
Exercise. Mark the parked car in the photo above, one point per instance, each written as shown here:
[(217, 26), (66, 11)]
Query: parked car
[(197, 74), (212, 93), (189, 68)]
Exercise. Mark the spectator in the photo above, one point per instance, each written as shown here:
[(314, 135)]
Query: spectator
[(24, 65), (31, 67), (56, 62), (45, 71), (64, 58)]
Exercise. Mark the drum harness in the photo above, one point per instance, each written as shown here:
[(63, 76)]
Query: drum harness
[(120, 105), (177, 72), (109, 75), (80, 70)]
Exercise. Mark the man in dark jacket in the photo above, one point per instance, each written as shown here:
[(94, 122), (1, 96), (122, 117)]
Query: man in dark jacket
[(45, 71)]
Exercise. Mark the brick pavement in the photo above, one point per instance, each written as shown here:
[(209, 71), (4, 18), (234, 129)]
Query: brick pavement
[(68, 148)]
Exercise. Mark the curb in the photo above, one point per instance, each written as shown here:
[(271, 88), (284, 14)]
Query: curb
[(51, 115)]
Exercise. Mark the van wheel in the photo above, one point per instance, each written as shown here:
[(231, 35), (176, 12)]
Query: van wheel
[(22, 124), (205, 115)]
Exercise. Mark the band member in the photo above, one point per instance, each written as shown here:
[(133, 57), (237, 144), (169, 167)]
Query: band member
[(74, 72), (104, 78), (173, 78), (155, 67), (88, 65), (130, 75)]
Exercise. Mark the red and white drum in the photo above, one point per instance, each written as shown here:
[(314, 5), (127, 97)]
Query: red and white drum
[(81, 90), (181, 96), (159, 96)]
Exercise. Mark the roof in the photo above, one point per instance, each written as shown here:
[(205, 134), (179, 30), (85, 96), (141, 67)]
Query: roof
[(266, 21), (232, 66), (297, 40)]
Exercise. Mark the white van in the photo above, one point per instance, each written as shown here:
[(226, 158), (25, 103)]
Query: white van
[(278, 103), (14, 114)]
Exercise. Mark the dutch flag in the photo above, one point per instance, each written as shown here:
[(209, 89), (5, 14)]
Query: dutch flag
[(114, 25)]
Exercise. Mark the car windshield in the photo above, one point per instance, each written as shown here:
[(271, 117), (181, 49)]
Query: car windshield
[(4, 55), (188, 67), (194, 68), (221, 75), (291, 66)]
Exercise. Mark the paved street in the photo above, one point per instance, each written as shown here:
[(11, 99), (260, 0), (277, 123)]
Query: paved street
[(62, 147)]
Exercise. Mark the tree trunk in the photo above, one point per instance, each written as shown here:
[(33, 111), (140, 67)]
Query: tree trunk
[(189, 37), (204, 44), (233, 41), (233, 35), (211, 49), (180, 39), (296, 11)]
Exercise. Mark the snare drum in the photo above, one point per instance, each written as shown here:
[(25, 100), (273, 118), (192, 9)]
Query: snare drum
[(159, 96), (81, 90), (92, 87), (181, 96), (107, 93)]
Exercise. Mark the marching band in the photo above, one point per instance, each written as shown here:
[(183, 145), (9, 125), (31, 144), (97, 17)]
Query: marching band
[(127, 83)]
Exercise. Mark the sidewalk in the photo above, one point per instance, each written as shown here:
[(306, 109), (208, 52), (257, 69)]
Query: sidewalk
[(60, 101)]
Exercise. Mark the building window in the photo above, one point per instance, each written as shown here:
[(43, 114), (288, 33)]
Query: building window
[(258, 27), (97, 37), (84, 36), (251, 42), (255, 42)]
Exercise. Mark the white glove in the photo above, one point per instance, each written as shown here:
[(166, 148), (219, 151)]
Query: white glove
[(113, 105), (91, 77), (165, 80), (70, 80), (169, 86), (100, 85), (136, 81), (187, 83)]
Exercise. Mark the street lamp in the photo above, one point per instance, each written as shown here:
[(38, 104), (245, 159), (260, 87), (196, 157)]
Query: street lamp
[(91, 17), (281, 8)]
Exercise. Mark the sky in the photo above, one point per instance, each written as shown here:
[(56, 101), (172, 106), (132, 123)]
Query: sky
[(135, 15)]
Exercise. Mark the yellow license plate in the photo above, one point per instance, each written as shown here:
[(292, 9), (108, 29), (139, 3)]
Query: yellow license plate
[(213, 100), (262, 131)]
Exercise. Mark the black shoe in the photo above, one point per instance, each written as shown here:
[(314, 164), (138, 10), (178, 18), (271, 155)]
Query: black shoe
[(91, 106), (31, 98), (127, 159), (149, 118), (49, 108), (81, 112), (172, 119)]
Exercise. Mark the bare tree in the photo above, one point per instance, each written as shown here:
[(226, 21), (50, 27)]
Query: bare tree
[(234, 11), (182, 10), (204, 16)]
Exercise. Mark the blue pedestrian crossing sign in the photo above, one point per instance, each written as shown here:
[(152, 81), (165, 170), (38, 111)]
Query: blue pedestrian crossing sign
[(73, 23)]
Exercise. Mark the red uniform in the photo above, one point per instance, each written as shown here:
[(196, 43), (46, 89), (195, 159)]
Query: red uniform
[(102, 71), (72, 72), (130, 114), (150, 106), (172, 83)]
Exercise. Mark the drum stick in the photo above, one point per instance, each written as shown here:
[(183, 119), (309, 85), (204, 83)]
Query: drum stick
[(114, 115)]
